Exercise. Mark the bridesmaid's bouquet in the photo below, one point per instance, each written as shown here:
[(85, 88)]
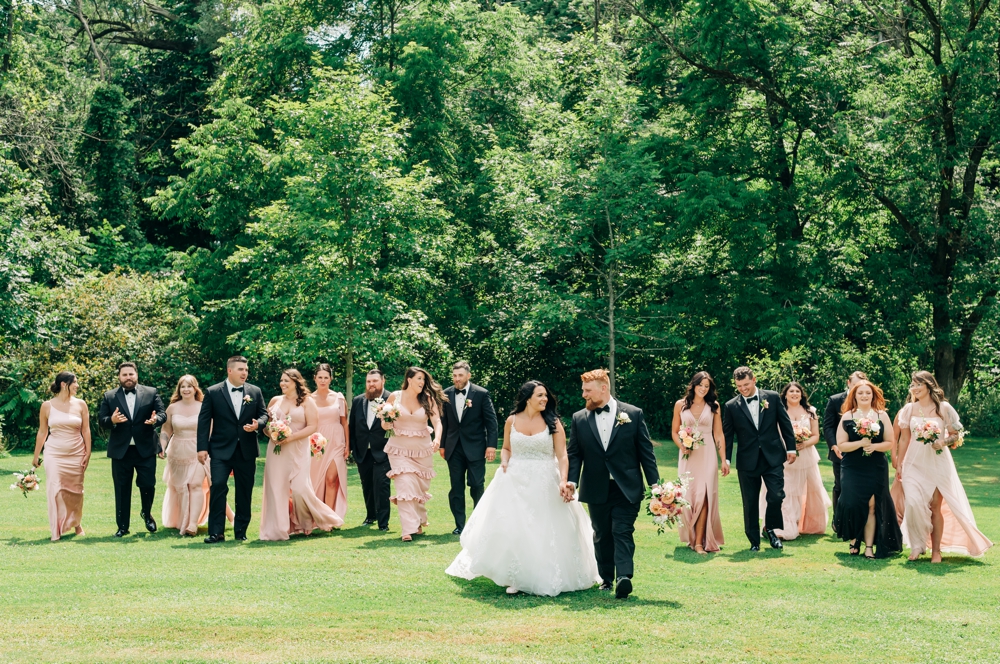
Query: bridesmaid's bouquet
[(26, 481), (388, 413), (867, 428), (278, 429), (929, 431), (317, 444), (802, 433), (666, 502), (691, 437)]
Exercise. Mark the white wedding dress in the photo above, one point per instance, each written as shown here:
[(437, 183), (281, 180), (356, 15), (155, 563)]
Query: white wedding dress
[(522, 534)]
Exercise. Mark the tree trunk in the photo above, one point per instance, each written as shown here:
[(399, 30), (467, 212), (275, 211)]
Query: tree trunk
[(349, 380)]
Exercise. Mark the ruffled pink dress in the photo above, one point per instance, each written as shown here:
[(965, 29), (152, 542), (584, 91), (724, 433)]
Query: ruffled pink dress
[(329, 425), (805, 509), (290, 505), (185, 504), (923, 472), (702, 464), (64, 453), (411, 457)]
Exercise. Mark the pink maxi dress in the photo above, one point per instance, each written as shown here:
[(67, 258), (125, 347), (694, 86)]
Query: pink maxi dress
[(63, 462), (702, 464), (329, 425), (411, 458)]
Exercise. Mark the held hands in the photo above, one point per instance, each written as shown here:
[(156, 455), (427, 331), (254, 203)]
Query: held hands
[(118, 418), (202, 457), (791, 457), (567, 491), (491, 454)]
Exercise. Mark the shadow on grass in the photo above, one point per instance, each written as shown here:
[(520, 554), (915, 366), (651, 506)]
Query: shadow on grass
[(746, 555), (947, 565), (390, 540), (683, 554), (859, 562), (485, 591)]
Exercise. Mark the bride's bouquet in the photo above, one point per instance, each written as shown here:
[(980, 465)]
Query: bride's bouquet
[(691, 437), (387, 412), (278, 429), (317, 444), (26, 481), (666, 502), (867, 428)]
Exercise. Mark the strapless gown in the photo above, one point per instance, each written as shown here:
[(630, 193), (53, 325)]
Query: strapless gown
[(411, 459), (63, 457), (702, 465), (329, 425), (185, 503), (290, 505), (522, 533)]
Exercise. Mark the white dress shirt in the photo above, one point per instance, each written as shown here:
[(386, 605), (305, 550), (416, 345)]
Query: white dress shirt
[(370, 413), (754, 407), (130, 402), (460, 401), (236, 397), (606, 422)]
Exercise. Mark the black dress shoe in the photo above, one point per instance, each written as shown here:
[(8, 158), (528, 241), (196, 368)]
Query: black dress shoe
[(368, 522), (754, 547), (150, 524), (457, 531), (623, 588), (606, 585), (772, 538), (240, 538), (384, 529), (215, 539), (122, 532)]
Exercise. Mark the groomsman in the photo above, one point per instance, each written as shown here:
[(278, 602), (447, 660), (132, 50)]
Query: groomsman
[(756, 420), (831, 422), (468, 439), (131, 412), (368, 444)]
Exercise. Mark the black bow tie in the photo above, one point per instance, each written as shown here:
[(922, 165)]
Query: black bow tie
[(462, 392), (236, 389), (132, 391), (749, 399), (606, 408)]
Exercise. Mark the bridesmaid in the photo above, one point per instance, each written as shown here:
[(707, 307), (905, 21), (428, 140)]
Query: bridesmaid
[(411, 449), (896, 490), (806, 504), (865, 510), (938, 514), (185, 504), (64, 432), (328, 471), (701, 526), (286, 473)]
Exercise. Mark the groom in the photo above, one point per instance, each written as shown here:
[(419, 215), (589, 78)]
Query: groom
[(610, 443), (757, 421), (231, 414)]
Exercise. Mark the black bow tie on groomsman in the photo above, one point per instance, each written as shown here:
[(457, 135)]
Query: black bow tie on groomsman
[(749, 399), (606, 408), (462, 391), (132, 391), (237, 389)]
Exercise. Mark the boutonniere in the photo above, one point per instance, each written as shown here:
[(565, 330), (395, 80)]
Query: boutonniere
[(468, 402), (764, 403), (247, 399), (622, 418)]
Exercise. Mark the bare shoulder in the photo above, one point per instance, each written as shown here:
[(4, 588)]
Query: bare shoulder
[(559, 427), (678, 405)]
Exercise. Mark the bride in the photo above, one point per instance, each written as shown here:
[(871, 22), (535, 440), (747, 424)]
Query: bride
[(522, 534)]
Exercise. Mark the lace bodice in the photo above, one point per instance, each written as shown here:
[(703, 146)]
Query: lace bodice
[(184, 426), (538, 446)]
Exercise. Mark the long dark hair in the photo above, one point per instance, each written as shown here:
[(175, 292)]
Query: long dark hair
[(301, 390), (927, 379), (804, 402), (432, 397), (712, 399), (551, 412), (62, 378)]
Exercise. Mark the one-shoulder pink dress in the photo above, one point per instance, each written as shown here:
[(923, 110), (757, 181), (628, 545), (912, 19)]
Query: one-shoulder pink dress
[(290, 505), (63, 462), (329, 425), (411, 458), (702, 465)]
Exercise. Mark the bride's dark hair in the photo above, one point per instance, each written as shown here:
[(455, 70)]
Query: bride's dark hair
[(550, 414)]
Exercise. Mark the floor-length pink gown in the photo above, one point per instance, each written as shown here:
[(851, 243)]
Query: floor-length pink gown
[(64, 453), (290, 505), (805, 509), (329, 425), (185, 503), (411, 457), (923, 472), (702, 464)]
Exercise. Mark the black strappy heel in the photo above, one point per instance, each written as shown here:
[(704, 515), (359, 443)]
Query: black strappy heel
[(853, 548), (871, 557)]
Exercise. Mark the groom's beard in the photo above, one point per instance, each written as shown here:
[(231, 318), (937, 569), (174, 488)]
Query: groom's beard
[(592, 405)]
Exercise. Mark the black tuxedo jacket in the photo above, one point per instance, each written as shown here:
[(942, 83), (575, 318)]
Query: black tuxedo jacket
[(478, 428), (831, 422), (774, 438), (629, 455), (220, 431), (366, 440), (147, 402)]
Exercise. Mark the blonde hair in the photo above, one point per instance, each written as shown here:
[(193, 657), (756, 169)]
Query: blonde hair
[(190, 380), (596, 376)]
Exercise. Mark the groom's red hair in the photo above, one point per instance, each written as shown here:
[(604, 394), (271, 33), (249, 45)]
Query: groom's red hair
[(597, 375)]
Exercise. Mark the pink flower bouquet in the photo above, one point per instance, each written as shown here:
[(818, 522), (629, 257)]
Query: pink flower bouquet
[(26, 481), (317, 444), (691, 437), (666, 502), (868, 428), (278, 429)]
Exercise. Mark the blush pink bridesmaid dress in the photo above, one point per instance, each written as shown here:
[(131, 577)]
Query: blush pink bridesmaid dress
[(411, 458), (185, 504), (64, 453), (329, 425), (702, 464), (290, 505)]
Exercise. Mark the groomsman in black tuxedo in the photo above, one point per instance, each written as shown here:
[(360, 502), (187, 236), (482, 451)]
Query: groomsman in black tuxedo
[(469, 440), (609, 445), (131, 412), (232, 413), (831, 422), (757, 421), (368, 444)]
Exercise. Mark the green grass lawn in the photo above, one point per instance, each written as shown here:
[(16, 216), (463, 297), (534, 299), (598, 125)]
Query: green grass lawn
[(357, 595)]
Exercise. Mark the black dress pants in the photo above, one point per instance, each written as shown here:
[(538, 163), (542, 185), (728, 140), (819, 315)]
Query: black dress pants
[(836, 488), (614, 525), (122, 471), (773, 477), (376, 488), (244, 471), (462, 470)]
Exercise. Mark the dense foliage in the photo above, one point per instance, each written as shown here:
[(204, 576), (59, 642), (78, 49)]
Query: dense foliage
[(540, 188)]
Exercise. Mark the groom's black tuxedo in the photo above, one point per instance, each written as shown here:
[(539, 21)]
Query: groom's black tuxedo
[(368, 446), (763, 450), (611, 483), (232, 450), (465, 443)]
